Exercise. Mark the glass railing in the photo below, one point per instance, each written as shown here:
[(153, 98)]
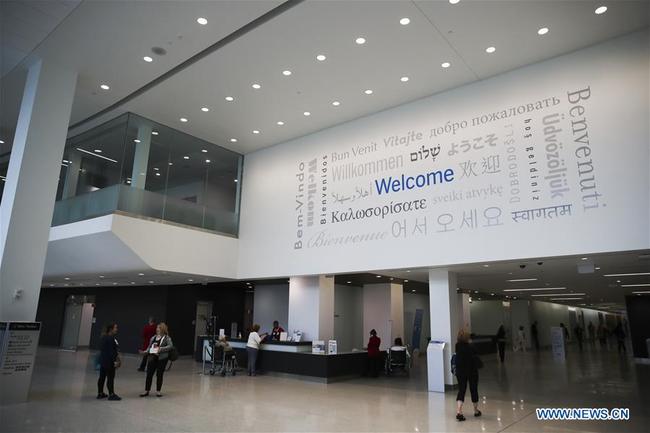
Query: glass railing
[(144, 203)]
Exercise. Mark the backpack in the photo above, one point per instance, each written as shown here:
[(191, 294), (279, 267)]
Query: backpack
[(453, 364)]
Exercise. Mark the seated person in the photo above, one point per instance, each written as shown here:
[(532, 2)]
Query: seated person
[(224, 343), (398, 346)]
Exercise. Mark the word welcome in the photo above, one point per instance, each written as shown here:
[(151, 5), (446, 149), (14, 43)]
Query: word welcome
[(390, 184)]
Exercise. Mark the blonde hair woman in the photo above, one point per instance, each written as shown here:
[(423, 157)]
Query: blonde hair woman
[(157, 357)]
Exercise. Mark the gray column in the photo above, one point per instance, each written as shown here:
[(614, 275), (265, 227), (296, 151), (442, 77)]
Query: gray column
[(141, 157), (30, 189)]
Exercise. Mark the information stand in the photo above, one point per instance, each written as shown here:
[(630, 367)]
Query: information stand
[(436, 366), (557, 343), (18, 345)]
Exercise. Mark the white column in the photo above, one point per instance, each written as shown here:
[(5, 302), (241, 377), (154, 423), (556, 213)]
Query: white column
[(383, 311), (311, 307), (30, 189), (445, 304), (141, 157)]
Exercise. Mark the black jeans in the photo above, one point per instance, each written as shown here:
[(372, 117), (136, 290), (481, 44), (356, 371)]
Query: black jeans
[(502, 350), (374, 365), (157, 367), (106, 375), (143, 363), (473, 387)]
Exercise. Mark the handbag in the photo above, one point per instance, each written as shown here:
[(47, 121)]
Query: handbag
[(118, 362)]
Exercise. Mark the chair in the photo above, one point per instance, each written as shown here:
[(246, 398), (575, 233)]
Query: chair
[(398, 358)]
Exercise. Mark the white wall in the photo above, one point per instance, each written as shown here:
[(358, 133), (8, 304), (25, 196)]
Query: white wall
[(548, 315), (520, 316), (271, 302), (486, 316), (376, 313), (348, 317), (276, 198), (412, 302)]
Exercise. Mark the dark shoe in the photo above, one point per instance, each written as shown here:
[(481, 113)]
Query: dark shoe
[(114, 397), (102, 395), (460, 417), (140, 369), (158, 394), (478, 413), (144, 394)]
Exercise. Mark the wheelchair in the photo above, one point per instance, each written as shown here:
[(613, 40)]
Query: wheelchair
[(398, 358)]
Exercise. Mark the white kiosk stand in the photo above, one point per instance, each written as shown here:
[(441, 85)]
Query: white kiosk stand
[(436, 366)]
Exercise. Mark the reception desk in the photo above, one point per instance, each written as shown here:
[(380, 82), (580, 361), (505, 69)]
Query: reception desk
[(296, 359)]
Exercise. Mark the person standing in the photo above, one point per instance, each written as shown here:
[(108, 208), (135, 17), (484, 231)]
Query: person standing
[(521, 339), (501, 343), (467, 365), (534, 335), (591, 331), (252, 349), (277, 330), (602, 335), (374, 355), (579, 335), (148, 331), (158, 354), (619, 332), (109, 361)]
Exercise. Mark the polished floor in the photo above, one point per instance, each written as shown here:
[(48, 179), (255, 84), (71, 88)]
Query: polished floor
[(64, 388)]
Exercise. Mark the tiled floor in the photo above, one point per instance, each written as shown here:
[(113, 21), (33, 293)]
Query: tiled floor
[(64, 388)]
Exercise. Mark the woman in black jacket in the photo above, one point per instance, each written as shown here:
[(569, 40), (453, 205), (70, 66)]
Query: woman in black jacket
[(467, 365), (501, 343), (108, 362)]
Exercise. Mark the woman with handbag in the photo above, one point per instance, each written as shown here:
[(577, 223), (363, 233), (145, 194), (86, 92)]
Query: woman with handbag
[(109, 361), (467, 366), (157, 357)]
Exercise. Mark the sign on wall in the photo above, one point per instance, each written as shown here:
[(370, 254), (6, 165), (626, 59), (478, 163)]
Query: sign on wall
[(548, 160)]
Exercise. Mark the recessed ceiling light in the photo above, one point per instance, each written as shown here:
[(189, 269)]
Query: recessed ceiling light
[(349, 282), (150, 282), (286, 73), (104, 87), (205, 109), (256, 86), (229, 98), (368, 92), (626, 275), (255, 131), (2, 142), (445, 65), (486, 266), (233, 140), (453, 2), (404, 79), (406, 281), (404, 21), (600, 10), (132, 282), (583, 258), (336, 103), (202, 21), (597, 268), (413, 291), (360, 41), (157, 174), (490, 50), (171, 163), (207, 161), (204, 150), (141, 274), (307, 113), (557, 294), (136, 141), (321, 57), (190, 280), (280, 123), (534, 289), (522, 279), (147, 59), (378, 276), (67, 278), (640, 293), (98, 151), (636, 285), (156, 169), (101, 276), (154, 132), (235, 180), (183, 119), (542, 31), (186, 157)]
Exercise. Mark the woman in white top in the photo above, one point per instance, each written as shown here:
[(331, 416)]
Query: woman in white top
[(252, 347)]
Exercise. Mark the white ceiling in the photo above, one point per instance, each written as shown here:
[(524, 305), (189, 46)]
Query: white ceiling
[(105, 42)]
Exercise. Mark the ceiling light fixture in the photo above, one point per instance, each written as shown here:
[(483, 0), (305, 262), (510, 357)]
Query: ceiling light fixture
[(542, 31), (280, 123), (626, 275), (256, 86), (336, 103), (98, 151), (453, 2), (558, 294), (486, 266), (229, 98), (233, 140), (202, 21), (306, 113), (490, 50), (534, 289), (584, 258), (360, 41), (154, 132), (321, 57), (105, 87), (183, 119), (565, 299), (255, 131), (286, 73), (600, 10), (207, 161), (95, 155), (205, 109), (186, 157), (141, 274), (405, 21), (521, 280), (136, 141), (445, 65), (204, 150), (147, 59), (190, 280), (404, 79), (641, 293), (2, 142), (636, 285), (368, 92), (157, 174)]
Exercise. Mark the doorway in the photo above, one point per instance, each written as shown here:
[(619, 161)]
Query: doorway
[(78, 321), (203, 315)]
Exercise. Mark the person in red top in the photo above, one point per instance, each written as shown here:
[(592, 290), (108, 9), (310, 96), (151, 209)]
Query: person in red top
[(148, 331), (277, 330), (374, 355)]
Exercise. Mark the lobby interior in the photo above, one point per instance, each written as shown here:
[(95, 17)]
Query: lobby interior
[(220, 164)]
